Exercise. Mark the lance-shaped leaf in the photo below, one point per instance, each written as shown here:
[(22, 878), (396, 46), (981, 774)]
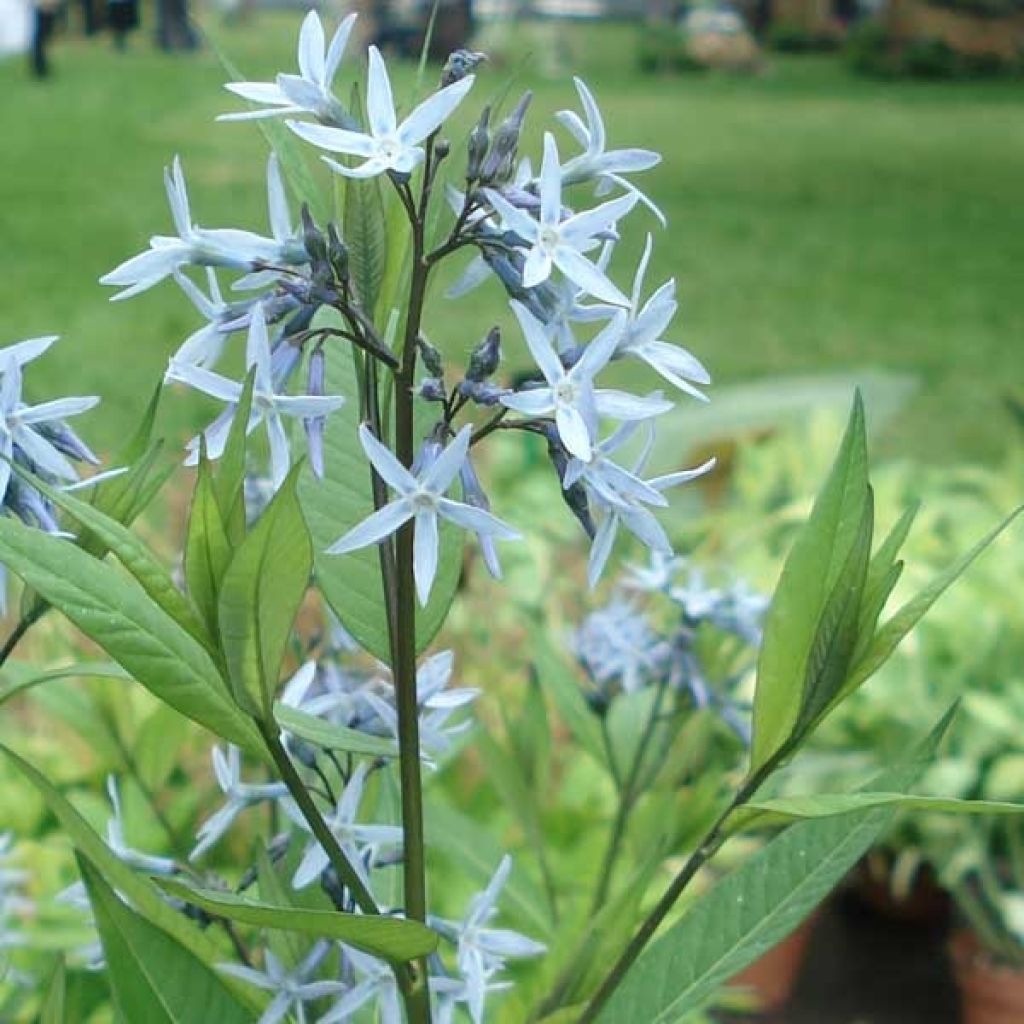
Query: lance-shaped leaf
[(117, 614), (755, 907), (133, 886), (391, 938), (783, 810), (332, 737), (130, 551), (809, 577), (888, 637), (152, 976), (260, 596), (52, 1011), (366, 238), (352, 583), (207, 547)]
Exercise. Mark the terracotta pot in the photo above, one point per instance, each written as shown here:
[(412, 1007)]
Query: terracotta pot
[(990, 992), (773, 977)]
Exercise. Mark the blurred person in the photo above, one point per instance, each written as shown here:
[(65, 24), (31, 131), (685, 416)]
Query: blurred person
[(173, 31), (123, 17), (45, 16), (90, 19)]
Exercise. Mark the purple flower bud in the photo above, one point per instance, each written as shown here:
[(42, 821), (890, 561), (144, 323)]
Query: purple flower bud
[(459, 64), (481, 392), (313, 238), (431, 357), (479, 141), (284, 359), (65, 440), (500, 161), (486, 357), (431, 389), (337, 253)]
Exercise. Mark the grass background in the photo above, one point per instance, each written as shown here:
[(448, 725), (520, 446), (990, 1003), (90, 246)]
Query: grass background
[(817, 221)]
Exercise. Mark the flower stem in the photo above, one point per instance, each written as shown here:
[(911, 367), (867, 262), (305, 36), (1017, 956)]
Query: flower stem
[(25, 623), (708, 847)]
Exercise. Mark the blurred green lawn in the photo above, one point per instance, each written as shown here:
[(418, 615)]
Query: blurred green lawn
[(817, 221)]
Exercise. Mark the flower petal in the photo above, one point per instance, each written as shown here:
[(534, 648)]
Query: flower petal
[(391, 471), (380, 104), (425, 553), (374, 528), (433, 111)]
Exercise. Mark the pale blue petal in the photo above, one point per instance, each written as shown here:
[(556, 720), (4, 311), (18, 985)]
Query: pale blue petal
[(335, 140), (620, 405), (433, 111), (311, 48), (582, 227), (337, 48), (535, 402), (469, 517), (515, 219), (550, 183), (391, 471), (374, 528), (536, 336), (380, 104), (572, 429), (537, 267), (425, 552), (445, 468), (601, 548), (586, 276)]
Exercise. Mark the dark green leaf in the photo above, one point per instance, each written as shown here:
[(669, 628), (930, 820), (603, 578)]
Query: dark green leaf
[(260, 595), (115, 612), (392, 938), (153, 977)]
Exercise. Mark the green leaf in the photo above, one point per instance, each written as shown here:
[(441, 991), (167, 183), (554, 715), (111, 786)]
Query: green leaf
[(129, 550), (352, 583), (287, 946), (17, 677), (564, 688), (133, 886), (115, 612), (754, 908), (260, 595), (332, 737), (366, 238), (207, 547), (475, 851), (888, 637), (808, 578), (152, 976), (52, 1011), (229, 484), (391, 938), (761, 813)]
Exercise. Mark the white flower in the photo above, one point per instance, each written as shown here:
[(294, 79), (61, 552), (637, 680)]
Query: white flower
[(388, 145), (292, 988), (376, 984), (570, 394), (240, 795), (309, 92), (420, 497), (120, 848), (205, 247), (598, 163), (482, 950), (20, 423), (561, 243), (22, 352), (267, 406), (642, 336), (344, 828)]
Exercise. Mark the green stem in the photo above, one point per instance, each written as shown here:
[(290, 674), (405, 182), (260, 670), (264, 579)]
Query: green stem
[(629, 793), (25, 623), (708, 847)]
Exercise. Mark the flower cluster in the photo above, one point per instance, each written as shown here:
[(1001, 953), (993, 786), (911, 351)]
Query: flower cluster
[(554, 262), (647, 635)]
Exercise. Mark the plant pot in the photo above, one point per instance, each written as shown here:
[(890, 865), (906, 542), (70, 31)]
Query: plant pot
[(772, 978), (926, 903), (990, 992)]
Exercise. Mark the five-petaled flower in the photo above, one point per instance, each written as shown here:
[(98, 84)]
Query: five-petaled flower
[(421, 497), (388, 145)]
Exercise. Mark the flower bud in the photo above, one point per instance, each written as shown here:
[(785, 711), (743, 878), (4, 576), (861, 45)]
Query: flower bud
[(431, 357), (575, 496), (486, 357), (337, 253), (459, 64), (431, 389), (441, 149), (500, 162), (479, 141), (314, 425), (313, 239), (481, 392)]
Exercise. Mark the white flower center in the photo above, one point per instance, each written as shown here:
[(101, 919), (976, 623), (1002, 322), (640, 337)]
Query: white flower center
[(424, 501), (389, 149), (565, 392), (548, 238)]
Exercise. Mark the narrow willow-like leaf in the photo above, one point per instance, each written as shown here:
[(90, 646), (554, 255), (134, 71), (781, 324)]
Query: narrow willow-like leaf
[(808, 577), (289, 947), (751, 910), (391, 938), (207, 547), (332, 737), (352, 583), (366, 238), (153, 977), (781, 811), (115, 612), (133, 886), (130, 551), (260, 596), (17, 677), (888, 637)]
